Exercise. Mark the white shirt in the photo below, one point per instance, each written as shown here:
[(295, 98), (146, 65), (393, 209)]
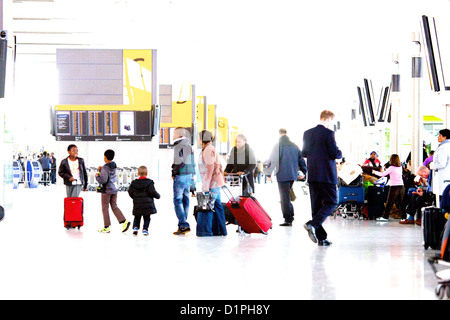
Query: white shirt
[(75, 171)]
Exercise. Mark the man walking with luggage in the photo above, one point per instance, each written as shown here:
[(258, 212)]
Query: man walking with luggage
[(183, 168), (287, 158), (321, 152)]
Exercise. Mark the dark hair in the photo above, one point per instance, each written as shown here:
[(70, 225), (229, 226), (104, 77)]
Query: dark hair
[(109, 154), (445, 133), (395, 160), (206, 136), (282, 131), (71, 146)]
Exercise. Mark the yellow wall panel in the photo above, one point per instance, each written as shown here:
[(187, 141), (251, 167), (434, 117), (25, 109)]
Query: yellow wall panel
[(181, 115), (223, 129), (137, 66), (211, 118), (200, 114)]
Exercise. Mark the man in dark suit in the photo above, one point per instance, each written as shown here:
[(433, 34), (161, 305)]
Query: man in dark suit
[(321, 152)]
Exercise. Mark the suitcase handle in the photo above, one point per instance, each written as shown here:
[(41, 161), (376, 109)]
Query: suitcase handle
[(230, 197)]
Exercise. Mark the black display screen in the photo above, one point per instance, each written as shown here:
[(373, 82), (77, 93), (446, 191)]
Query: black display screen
[(103, 125)]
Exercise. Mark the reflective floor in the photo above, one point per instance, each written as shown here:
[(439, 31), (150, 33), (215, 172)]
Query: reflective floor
[(40, 259)]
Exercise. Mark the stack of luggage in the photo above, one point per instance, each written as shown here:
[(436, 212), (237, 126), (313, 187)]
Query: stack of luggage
[(350, 192)]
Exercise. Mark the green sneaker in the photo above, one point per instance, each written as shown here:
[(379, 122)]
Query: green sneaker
[(104, 230), (125, 225)]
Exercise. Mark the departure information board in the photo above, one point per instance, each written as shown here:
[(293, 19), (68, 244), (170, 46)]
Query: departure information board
[(82, 123)]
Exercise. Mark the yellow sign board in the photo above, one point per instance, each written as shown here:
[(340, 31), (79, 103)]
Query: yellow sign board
[(137, 65)]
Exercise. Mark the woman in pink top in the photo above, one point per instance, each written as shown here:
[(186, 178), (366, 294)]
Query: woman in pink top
[(397, 189), (211, 223)]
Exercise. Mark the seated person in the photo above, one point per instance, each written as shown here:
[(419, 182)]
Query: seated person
[(427, 161), (419, 198), (373, 161)]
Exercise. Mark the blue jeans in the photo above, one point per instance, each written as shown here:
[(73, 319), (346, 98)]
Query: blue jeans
[(219, 224), (212, 223), (181, 186)]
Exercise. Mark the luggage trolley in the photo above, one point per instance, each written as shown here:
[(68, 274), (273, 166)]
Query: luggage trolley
[(92, 182), (121, 179), (233, 180), (134, 173), (443, 276), (350, 199), (45, 178), (127, 178), (443, 259)]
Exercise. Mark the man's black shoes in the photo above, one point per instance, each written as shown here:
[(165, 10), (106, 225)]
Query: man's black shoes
[(324, 243), (311, 232)]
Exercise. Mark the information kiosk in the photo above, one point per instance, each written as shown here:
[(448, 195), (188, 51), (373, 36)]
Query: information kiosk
[(33, 173), (17, 174)]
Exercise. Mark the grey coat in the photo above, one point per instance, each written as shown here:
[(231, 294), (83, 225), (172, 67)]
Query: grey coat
[(108, 170)]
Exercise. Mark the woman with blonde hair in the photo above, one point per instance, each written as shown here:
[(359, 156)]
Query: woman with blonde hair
[(397, 189)]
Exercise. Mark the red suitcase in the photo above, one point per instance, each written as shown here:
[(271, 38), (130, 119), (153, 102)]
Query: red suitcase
[(73, 212), (249, 213)]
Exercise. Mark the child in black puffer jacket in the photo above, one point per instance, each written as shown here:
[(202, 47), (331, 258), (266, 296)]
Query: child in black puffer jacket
[(142, 191)]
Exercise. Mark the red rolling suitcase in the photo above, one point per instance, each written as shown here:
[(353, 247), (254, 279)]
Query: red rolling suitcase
[(249, 213), (73, 212)]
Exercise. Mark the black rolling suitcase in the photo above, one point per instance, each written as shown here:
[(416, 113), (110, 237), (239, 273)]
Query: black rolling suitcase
[(229, 218), (376, 199), (433, 224)]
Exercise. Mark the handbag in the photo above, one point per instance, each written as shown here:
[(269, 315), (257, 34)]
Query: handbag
[(292, 194), (205, 202), (102, 187)]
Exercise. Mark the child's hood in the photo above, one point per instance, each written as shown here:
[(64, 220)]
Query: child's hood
[(142, 183), (112, 165)]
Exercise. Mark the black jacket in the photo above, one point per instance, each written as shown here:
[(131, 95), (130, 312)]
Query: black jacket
[(64, 172), (242, 160), (142, 191), (321, 152)]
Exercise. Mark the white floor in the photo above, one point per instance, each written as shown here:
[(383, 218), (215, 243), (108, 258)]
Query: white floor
[(40, 259)]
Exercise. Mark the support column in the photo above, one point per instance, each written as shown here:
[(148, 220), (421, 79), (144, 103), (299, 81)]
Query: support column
[(416, 140), (395, 102), (1, 14), (447, 116), (194, 116)]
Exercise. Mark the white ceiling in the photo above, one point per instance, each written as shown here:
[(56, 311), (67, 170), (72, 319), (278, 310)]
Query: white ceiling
[(276, 63)]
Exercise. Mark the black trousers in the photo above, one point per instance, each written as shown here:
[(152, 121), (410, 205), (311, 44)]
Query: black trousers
[(137, 221), (416, 203), (323, 202), (395, 196), (286, 205)]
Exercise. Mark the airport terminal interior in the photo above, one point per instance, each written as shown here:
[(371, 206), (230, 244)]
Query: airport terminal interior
[(124, 74)]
